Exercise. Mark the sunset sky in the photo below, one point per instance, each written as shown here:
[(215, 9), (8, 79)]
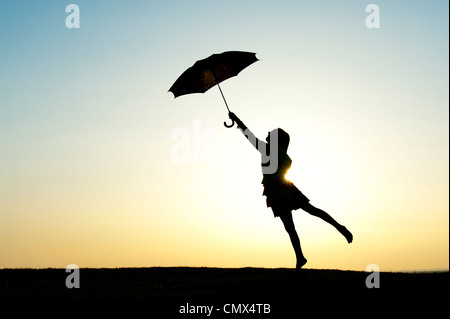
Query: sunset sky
[(101, 167)]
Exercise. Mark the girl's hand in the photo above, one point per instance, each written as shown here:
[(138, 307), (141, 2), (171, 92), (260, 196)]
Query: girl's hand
[(233, 117)]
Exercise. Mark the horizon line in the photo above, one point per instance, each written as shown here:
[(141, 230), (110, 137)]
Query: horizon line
[(426, 270)]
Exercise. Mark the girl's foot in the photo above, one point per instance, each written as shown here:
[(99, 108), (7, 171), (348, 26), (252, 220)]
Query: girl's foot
[(301, 263), (345, 232)]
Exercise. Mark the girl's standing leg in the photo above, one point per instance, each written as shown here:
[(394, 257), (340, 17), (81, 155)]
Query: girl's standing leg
[(288, 223)]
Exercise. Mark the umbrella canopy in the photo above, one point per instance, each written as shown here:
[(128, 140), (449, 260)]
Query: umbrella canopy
[(208, 72)]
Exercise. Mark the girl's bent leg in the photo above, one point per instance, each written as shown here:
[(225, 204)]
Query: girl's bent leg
[(326, 217)]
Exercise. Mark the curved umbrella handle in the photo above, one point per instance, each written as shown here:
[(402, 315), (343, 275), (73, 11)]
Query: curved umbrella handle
[(228, 126)]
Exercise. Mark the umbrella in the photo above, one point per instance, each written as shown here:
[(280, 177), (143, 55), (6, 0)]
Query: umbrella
[(206, 73)]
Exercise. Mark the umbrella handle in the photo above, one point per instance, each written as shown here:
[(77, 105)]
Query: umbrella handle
[(228, 126)]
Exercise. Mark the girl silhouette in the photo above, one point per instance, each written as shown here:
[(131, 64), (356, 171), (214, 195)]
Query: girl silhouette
[(282, 195)]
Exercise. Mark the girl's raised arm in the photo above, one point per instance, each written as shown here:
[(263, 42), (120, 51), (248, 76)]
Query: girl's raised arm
[(257, 143)]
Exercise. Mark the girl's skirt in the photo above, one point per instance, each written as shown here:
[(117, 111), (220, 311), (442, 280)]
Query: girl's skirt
[(284, 196)]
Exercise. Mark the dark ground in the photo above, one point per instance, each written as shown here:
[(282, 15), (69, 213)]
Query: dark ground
[(160, 292)]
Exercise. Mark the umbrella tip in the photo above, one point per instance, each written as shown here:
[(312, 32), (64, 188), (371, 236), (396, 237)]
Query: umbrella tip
[(174, 96)]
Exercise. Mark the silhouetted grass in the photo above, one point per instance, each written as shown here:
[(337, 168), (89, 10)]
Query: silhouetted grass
[(165, 290)]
